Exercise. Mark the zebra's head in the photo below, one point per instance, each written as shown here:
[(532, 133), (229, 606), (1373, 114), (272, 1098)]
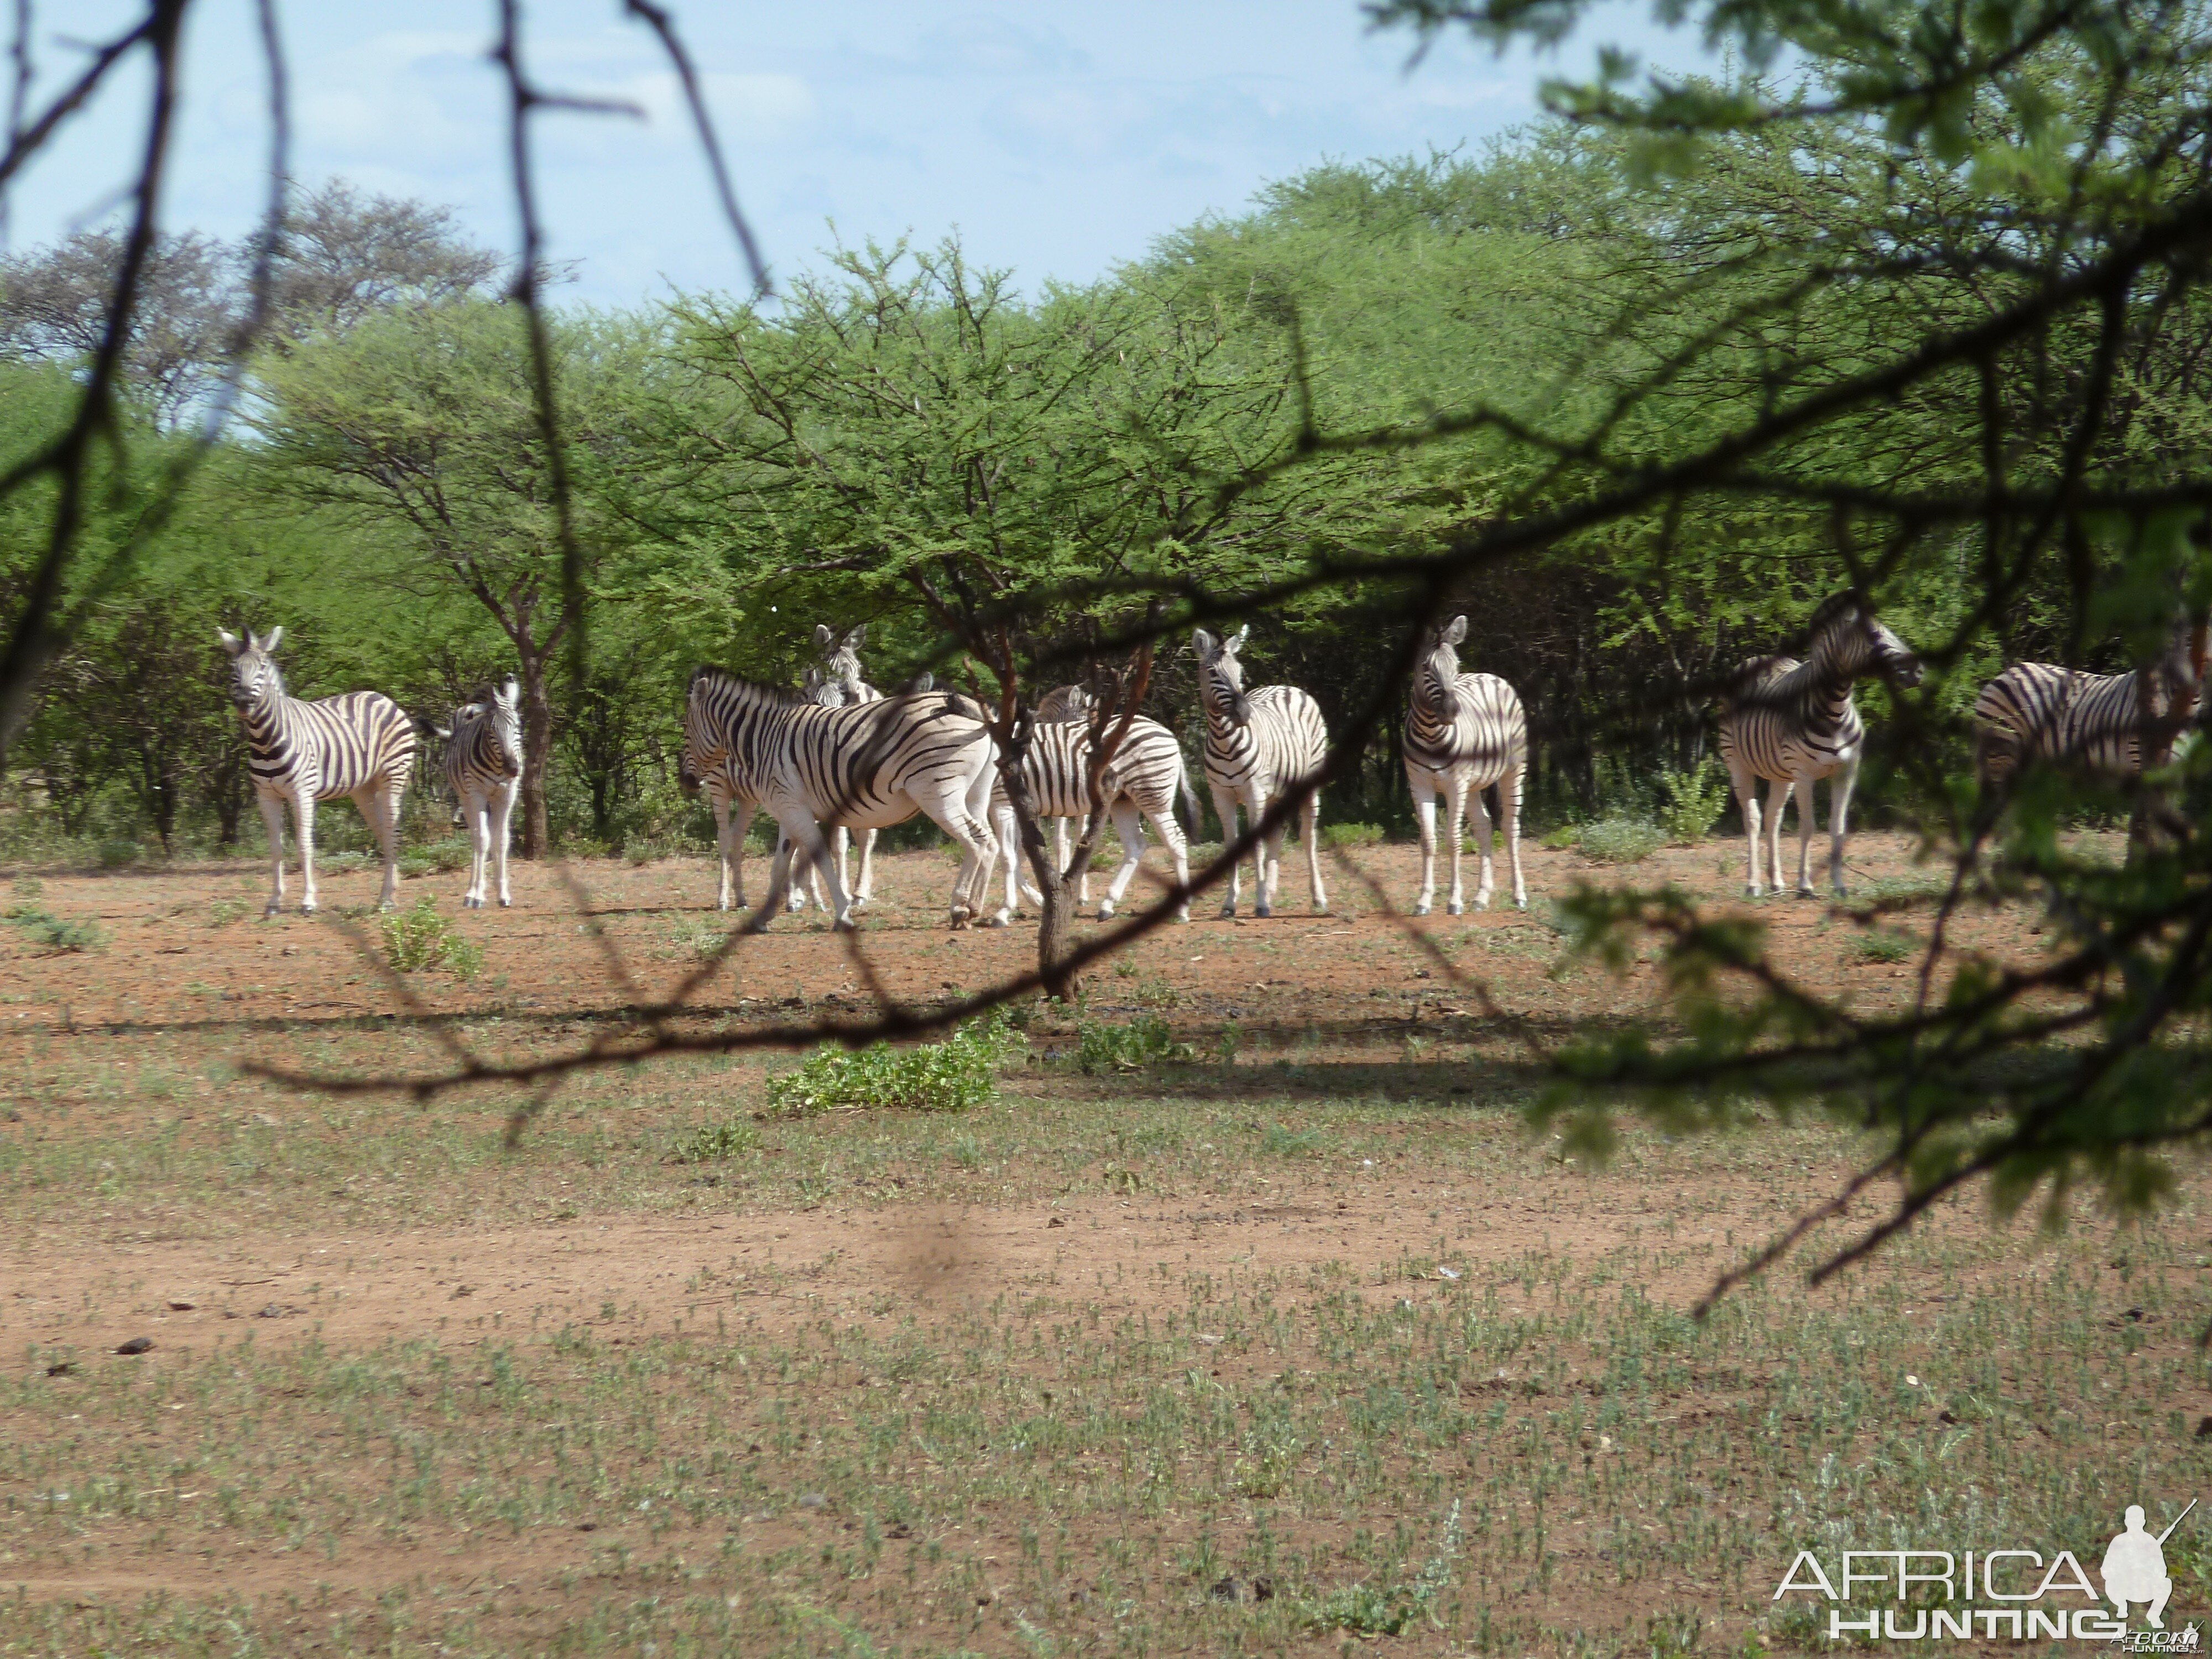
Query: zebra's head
[(841, 658), (1847, 635), (253, 673), (502, 713), (829, 690), (1439, 657), (1220, 676)]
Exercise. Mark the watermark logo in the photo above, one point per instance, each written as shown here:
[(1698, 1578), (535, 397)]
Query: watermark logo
[(2031, 1599)]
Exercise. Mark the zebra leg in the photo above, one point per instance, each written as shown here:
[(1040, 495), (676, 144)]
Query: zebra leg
[(1746, 798), (1171, 837), (381, 814), (1805, 836), (864, 889), (501, 833), (394, 795), (1509, 824), (1010, 848), (724, 864), (1225, 808), (303, 815), (1309, 832), (477, 813), (1425, 812), (1131, 829), (1486, 882), (1267, 858), (1839, 814), (1778, 801), (272, 814)]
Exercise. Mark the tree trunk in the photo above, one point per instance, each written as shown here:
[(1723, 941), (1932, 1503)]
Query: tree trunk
[(536, 749)]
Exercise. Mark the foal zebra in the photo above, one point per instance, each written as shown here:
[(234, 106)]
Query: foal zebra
[(2038, 711), (1143, 777), (1794, 723), (870, 765), (1464, 732), (484, 768), (359, 745), (1260, 745), (838, 683)]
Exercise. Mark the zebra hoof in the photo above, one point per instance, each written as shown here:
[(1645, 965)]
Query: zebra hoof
[(844, 925), (1808, 892), (505, 902), (1422, 907), (306, 910), (1183, 914), (1457, 908), (1106, 911), (1227, 912), (470, 902), (1263, 909)]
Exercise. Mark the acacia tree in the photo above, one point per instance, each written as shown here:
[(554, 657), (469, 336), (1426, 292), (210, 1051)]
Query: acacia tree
[(424, 420)]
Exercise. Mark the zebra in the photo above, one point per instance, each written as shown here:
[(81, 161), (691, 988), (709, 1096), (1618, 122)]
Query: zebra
[(869, 765), (837, 682), (1794, 723), (1142, 779), (2038, 711), (1464, 732), (484, 768), (359, 745), (1259, 745)]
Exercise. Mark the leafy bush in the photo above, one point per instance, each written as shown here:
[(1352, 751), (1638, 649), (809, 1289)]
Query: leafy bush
[(955, 1075), (49, 932), (1620, 841), (1350, 834), (713, 1143), (440, 858), (1884, 945), (1147, 1039), (1559, 839), (1695, 800), (421, 938)]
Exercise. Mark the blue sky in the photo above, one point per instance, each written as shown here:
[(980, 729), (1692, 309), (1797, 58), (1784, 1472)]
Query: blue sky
[(1058, 138)]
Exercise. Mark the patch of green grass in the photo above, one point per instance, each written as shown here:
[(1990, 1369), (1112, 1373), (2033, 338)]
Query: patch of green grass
[(1370, 1609), (956, 1075), (1561, 839), (225, 911), (417, 941), (715, 1143), (1147, 1040), (51, 934), (1620, 841), (1279, 1141), (1350, 834), (1885, 944), (438, 857)]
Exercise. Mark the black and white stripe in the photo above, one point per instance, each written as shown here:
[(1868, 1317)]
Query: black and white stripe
[(866, 766), (359, 745), (1793, 723), (1260, 746), (1464, 733), (1141, 781), (2101, 723), (484, 768)]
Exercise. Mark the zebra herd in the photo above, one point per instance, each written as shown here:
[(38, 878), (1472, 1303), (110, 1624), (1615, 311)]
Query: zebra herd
[(842, 756)]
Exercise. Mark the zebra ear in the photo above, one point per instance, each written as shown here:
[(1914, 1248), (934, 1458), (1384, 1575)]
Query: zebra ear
[(276, 638), (823, 638), (857, 638), (1456, 633), (510, 692), (1242, 634), (231, 642), (1203, 642)]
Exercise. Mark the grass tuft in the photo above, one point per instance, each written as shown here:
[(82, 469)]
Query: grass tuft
[(419, 939), (1620, 841), (955, 1075), (1147, 1039)]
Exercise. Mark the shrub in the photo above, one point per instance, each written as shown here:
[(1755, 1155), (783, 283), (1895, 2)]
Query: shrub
[(1884, 945), (51, 934), (1695, 799), (117, 853), (1147, 1039), (1350, 834), (421, 938), (440, 858), (713, 1143), (1620, 841), (955, 1075), (1559, 839)]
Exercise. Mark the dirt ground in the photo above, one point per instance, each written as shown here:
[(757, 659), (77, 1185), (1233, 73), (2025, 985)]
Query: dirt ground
[(328, 1280)]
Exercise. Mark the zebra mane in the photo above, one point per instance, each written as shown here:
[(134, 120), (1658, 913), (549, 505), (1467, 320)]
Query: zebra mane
[(756, 690)]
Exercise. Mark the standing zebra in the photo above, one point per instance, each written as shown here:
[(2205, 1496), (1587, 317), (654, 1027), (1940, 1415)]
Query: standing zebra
[(1260, 745), (1142, 778), (869, 765), (1795, 723), (1464, 732), (359, 745), (2104, 723), (484, 768), (837, 682)]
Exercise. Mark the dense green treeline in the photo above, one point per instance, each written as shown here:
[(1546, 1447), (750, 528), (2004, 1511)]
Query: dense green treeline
[(1375, 359)]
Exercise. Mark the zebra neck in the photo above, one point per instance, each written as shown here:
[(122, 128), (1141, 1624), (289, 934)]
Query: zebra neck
[(264, 720)]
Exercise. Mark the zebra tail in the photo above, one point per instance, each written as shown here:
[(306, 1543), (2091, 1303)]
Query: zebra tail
[(1190, 807)]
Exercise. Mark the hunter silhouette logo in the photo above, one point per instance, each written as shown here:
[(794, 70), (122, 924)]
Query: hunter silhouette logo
[(2021, 1596)]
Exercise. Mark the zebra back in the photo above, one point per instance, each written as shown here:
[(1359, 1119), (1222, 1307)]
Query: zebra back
[(1474, 721), (1147, 766), (331, 747)]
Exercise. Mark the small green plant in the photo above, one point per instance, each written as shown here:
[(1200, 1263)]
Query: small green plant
[(1885, 944), (1695, 800), (955, 1075), (1368, 1610), (1559, 839), (51, 934), (439, 858), (1279, 1141), (223, 912), (1350, 834), (117, 853), (1147, 1039), (419, 940), (715, 1143), (1620, 841)]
